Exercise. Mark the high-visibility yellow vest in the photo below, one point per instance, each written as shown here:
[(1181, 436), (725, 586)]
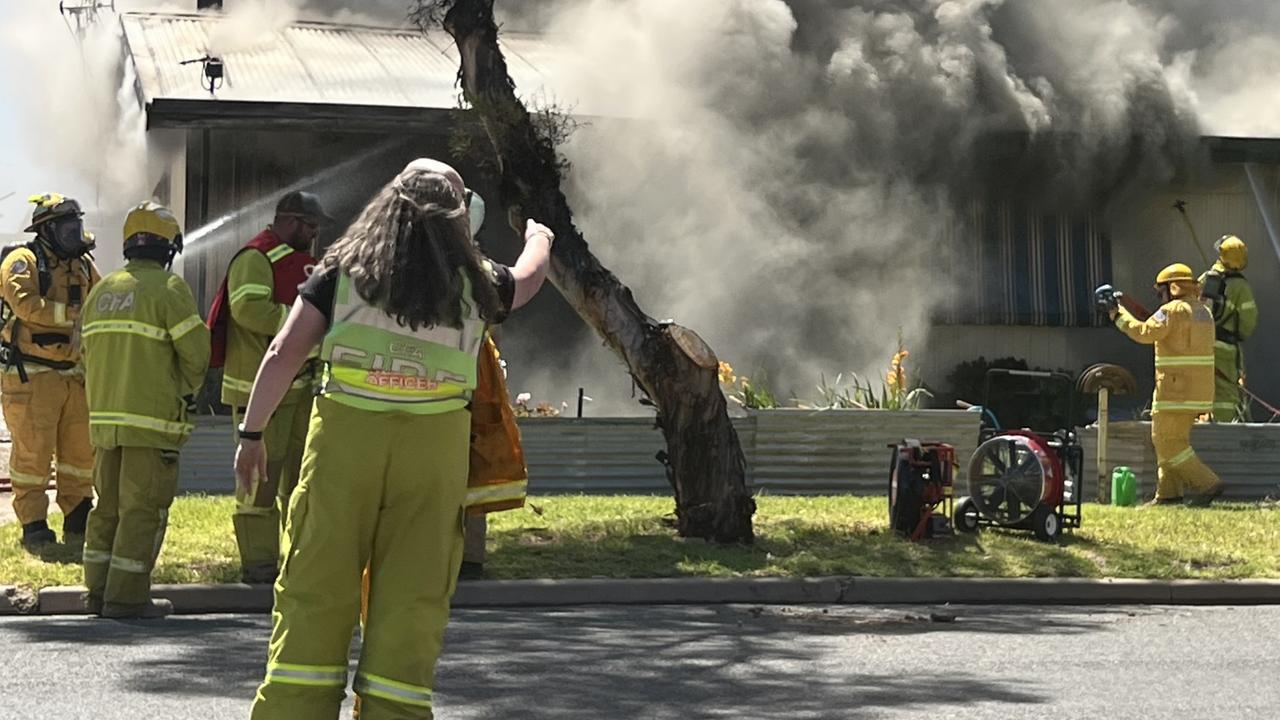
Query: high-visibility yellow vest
[(372, 362)]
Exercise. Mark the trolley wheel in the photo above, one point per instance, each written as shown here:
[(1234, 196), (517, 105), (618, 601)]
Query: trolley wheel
[(1046, 523), (965, 516)]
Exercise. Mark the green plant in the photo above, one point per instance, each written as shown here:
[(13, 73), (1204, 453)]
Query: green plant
[(894, 392), (752, 394)]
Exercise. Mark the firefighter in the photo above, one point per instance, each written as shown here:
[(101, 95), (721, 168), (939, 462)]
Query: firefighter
[(251, 306), (399, 304), (1235, 315), (43, 285), (146, 352), (1182, 332)]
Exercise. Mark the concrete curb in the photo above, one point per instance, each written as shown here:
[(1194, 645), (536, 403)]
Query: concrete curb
[(187, 599), (239, 598)]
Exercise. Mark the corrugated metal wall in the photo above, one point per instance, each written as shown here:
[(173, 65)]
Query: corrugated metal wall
[(1244, 456), (798, 451), (790, 452)]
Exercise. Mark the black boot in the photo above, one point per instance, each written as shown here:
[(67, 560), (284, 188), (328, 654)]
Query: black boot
[(153, 609), (36, 535), (75, 521)]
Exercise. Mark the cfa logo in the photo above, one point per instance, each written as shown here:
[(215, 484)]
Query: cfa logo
[(115, 302), (404, 349)]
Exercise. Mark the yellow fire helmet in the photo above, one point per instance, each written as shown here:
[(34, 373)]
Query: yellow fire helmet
[(1175, 273), (151, 224), (1232, 252)]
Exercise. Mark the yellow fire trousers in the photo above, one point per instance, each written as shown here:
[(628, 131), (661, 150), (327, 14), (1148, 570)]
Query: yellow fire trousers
[(135, 488), (258, 512), (381, 490), (1180, 469), (1228, 401), (47, 417)]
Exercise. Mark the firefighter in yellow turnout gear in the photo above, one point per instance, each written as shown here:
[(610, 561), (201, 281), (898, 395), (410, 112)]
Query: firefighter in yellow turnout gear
[(261, 285), (1235, 314), (384, 475), (1182, 332), (43, 285), (146, 352)]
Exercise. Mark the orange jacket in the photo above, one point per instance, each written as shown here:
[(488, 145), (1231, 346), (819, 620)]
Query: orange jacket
[(498, 479)]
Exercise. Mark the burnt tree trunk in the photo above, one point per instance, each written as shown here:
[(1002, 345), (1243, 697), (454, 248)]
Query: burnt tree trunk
[(674, 367)]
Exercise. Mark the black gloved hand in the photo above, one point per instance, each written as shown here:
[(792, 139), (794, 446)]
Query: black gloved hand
[(190, 401), (1107, 299)]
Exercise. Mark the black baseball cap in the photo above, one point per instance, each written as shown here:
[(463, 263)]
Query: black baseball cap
[(304, 205)]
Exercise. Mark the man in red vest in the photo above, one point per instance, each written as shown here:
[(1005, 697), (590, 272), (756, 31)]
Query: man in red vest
[(260, 287)]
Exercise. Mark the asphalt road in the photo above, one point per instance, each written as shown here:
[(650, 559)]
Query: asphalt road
[(702, 662)]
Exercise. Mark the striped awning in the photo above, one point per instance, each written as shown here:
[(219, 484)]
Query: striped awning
[(1031, 267)]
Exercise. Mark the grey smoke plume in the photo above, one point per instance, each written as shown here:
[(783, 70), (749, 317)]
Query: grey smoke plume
[(77, 120), (794, 173)]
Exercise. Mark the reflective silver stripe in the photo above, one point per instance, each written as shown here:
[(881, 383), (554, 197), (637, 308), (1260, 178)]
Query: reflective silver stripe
[(278, 252), (184, 327), (500, 491), (60, 315), (250, 290), (1182, 457), (1250, 305), (37, 369), (238, 385), (127, 565), (1186, 360), (27, 479), (248, 508), (1169, 405), (73, 471), (139, 421), (388, 689), (96, 556), (126, 327), (310, 675)]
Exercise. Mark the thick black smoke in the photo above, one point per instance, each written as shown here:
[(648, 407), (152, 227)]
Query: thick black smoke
[(792, 187)]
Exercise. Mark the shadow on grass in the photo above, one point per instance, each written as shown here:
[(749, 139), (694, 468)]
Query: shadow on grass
[(792, 548), (59, 554)]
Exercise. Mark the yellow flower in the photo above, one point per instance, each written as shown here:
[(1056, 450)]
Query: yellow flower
[(726, 374)]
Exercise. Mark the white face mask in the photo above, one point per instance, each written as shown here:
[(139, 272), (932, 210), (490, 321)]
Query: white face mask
[(475, 211)]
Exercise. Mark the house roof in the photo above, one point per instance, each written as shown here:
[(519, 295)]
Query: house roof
[(309, 73)]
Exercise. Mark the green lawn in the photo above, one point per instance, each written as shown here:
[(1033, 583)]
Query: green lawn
[(609, 536)]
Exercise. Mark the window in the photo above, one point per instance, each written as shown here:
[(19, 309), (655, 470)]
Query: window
[(1026, 267)]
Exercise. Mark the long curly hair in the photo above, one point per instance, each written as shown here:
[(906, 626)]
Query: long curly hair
[(407, 250)]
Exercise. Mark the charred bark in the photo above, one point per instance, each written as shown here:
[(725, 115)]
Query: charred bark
[(674, 367)]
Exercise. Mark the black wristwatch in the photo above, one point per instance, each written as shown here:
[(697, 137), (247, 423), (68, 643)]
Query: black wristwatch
[(246, 435)]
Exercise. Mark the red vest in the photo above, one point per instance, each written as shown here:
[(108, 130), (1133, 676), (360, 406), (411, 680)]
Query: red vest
[(289, 268)]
